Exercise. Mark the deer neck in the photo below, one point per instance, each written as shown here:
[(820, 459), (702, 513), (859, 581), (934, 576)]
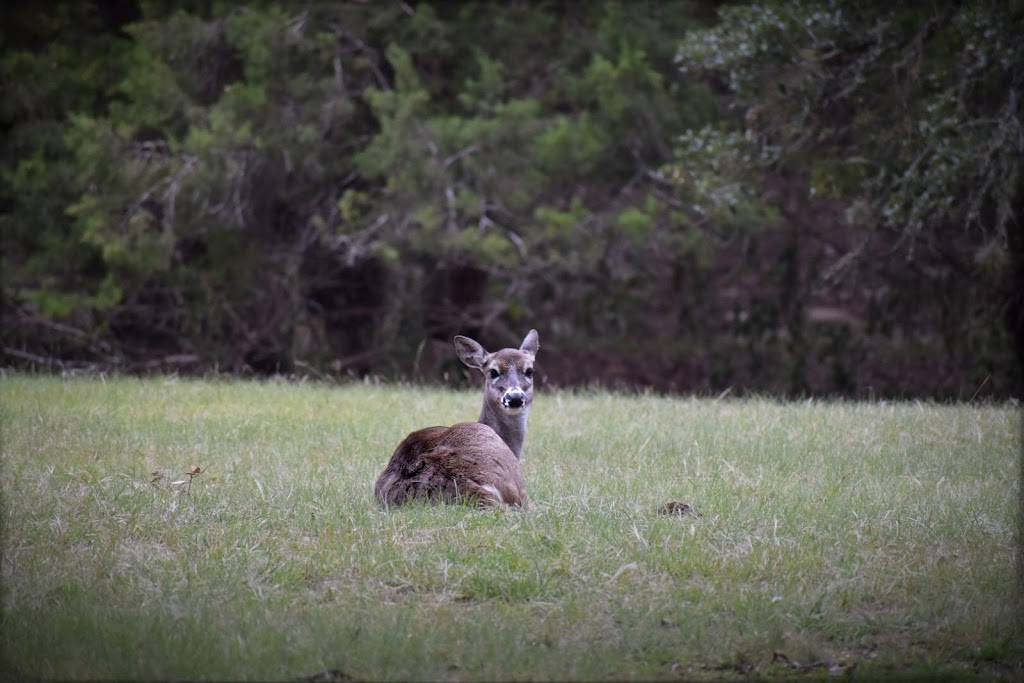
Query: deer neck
[(511, 428)]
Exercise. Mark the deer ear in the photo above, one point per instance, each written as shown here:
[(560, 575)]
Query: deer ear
[(470, 352), (531, 344)]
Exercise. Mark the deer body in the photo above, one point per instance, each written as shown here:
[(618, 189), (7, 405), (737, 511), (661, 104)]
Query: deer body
[(471, 460)]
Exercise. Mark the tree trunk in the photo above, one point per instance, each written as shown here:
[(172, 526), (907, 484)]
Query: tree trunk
[(1015, 305)]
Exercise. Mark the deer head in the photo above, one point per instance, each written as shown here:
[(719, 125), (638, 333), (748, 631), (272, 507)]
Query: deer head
[(508, 385)]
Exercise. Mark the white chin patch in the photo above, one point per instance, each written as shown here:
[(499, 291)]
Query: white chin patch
[(512, 411)]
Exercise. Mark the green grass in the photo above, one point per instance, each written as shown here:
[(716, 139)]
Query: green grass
[(875, 538)]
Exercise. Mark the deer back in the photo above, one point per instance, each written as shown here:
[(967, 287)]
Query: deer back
[(466, 460)]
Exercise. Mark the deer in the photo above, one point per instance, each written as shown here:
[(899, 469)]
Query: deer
[(471, 461)]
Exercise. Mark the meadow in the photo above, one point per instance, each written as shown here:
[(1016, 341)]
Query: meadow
[(833, 538)]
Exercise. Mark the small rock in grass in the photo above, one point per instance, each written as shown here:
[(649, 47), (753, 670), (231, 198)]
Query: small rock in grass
[(676, 508), (329, 676)]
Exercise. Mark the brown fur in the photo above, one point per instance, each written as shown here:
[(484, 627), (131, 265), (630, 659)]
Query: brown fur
[(509, 358), (476, 461), (449, 464)]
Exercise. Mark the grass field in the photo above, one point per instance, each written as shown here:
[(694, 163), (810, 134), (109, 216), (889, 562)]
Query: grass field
[(835, 538)]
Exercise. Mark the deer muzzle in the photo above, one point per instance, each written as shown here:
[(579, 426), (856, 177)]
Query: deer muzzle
[(513, 399)]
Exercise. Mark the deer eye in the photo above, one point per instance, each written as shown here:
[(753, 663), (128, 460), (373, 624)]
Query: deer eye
[(528, 372), (494, 373)]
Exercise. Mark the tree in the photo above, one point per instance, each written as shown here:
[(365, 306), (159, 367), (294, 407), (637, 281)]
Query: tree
[(254, 175), (340, 187), (910, 114), (56, 61)]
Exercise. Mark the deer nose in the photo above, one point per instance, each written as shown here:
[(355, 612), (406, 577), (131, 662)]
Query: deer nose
[(514, 399)]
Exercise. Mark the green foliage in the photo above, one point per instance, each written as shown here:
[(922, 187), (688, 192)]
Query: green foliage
[(487, 90), (219, 179), (56, 61), (635, 223), (572, 145), (915, 110), (909, 115)]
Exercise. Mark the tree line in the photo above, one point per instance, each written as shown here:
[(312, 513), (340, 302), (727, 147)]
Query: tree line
[(784, 197)]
